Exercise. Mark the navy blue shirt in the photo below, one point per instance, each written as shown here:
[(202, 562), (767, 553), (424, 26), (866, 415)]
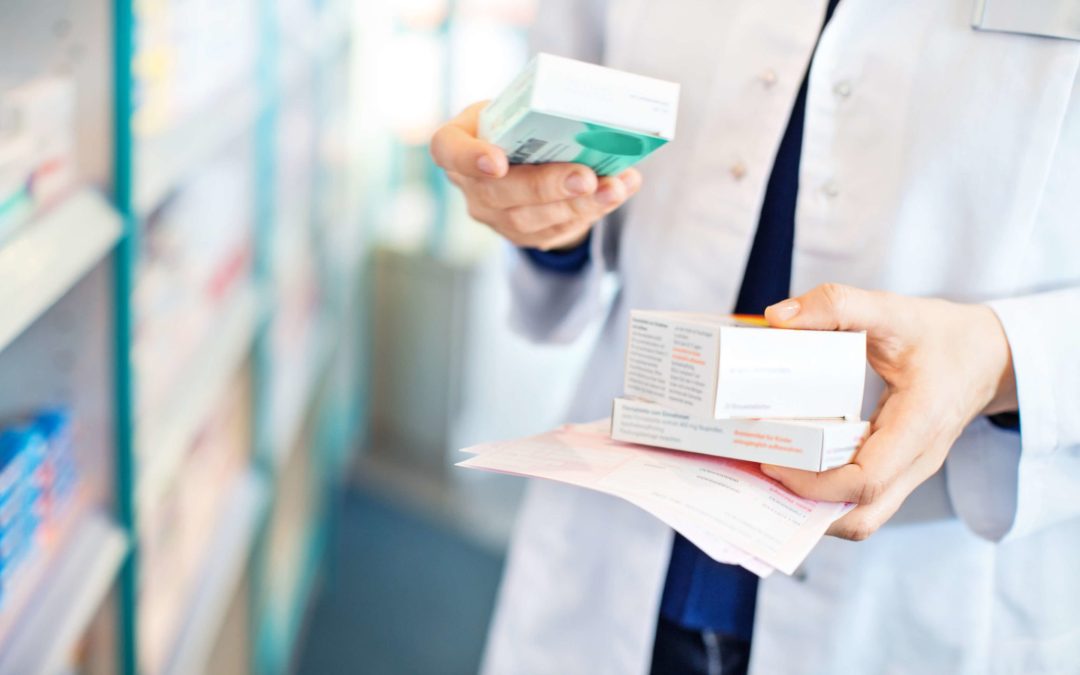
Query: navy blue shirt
[(699, 592)]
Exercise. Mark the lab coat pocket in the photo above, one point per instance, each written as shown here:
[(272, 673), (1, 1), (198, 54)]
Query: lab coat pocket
[(1043, 18)]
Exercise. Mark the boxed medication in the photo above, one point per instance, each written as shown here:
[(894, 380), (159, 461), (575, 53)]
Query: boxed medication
[(811, 445), (562, 110), (16, 168), (719, 366), (44, 112)]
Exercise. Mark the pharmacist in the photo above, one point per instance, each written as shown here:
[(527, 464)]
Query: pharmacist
[(898, 171)]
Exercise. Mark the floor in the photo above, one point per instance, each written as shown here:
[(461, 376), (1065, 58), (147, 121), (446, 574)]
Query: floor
[(404, 593)]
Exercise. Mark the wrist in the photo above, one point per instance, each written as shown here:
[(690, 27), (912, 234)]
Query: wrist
[(1002, 395), (571, 246), (564, 261)]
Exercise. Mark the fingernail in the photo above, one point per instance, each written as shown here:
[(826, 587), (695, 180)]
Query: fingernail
[(782, 311), (607, 195), (486, 165), (576, 184), (768, 470), (632, 181)]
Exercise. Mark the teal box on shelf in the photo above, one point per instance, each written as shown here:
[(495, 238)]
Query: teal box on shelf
[(562, 110)]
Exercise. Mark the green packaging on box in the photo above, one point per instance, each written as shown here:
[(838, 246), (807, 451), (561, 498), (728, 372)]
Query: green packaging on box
[(562, 110)]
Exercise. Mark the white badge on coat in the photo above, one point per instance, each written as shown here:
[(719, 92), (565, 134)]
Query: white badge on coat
[(1045, 18)]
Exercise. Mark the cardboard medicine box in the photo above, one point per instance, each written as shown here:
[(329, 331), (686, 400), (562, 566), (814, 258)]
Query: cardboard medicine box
[(562, 110), (718, 366), (811, 445)]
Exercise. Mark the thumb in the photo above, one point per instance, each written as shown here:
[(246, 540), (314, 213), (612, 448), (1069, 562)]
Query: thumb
[(831, 307), (455, 147)]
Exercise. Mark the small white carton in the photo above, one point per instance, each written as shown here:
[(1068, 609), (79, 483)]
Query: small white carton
[(562, 110), (708, 365), (811, 445)]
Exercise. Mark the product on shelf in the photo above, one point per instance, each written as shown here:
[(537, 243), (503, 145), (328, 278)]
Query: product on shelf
[(37, 147), (59, 471), (176, 532), (296, 261), (15, 171), (189, 53), (196, 255), (38, 486)]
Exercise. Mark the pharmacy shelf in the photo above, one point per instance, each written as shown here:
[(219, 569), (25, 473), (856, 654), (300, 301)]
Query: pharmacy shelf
[(151, 444), (288, 424), (49, 255), (76, 584), (164, 160), (165, 437), (230, 548)]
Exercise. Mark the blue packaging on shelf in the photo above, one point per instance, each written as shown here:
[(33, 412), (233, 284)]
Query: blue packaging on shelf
[(54, 424), (12, 461), (16, 539), (16, 505)]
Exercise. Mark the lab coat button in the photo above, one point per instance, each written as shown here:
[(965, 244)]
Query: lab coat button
[(830, 189), (842, 89), (738, 170), (769, 78)]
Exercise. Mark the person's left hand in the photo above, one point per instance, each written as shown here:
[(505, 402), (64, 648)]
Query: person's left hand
[(943, 364)]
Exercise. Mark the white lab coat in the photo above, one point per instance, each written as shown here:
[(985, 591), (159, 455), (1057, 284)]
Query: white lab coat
[(937, 161)]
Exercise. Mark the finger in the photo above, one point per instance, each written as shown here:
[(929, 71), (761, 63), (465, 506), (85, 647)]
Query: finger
[(457, 179), (834, 307), (555, 235), (523, 222), (614, 190), (611, 193), (455, 147), (885, 455), (565, 235), (562, 235), (531, 184), (541, 217), (862, 521), (876, 412)]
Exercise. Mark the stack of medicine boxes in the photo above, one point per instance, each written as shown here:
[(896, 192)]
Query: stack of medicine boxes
[(38, 476), (731, 387)]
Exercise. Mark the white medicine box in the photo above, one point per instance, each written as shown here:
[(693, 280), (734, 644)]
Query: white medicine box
[(721, 366)]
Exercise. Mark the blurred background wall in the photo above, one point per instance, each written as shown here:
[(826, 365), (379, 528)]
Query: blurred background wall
[(245, 327)]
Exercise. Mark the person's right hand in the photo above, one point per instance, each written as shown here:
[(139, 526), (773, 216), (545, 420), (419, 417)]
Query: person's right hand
[(545, 206)]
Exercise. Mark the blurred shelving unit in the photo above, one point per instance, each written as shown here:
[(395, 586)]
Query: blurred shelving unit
[(166, 436), (63, 544), (234, 538), (52, 254), (164, 159), (177, 278), (79, 580)]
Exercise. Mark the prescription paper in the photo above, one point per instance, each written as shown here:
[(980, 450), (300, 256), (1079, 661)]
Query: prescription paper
[(727, 508)]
